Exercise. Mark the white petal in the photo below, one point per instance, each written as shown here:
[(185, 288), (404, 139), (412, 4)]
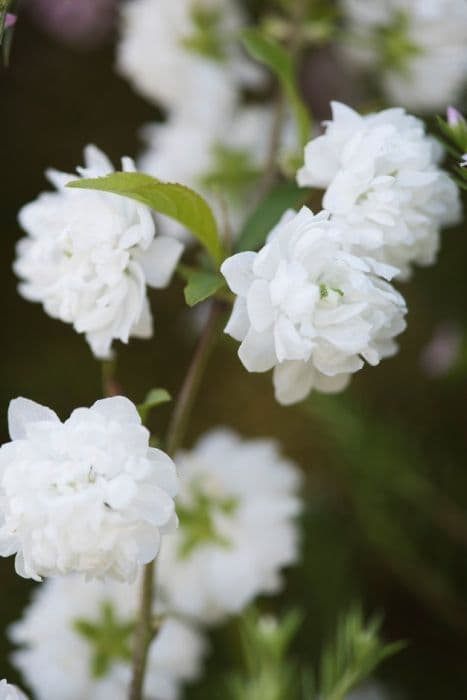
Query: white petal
[(259, 306), (237, 270), (160, 260), (293, 381), (117, 408), (22, 412), (143, 328), (257, 351), (238, 324)]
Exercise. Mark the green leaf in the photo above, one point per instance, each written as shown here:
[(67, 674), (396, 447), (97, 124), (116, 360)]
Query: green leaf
[(172, 199), (268, 51), (202, 284), (154, 398), (284, 196)]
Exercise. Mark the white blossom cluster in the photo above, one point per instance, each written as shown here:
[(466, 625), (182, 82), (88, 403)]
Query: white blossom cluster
[(89, 256), (88, 495), (238, 507), (419, 47), (316, 301), (75, 642), (10, 692), (383, 184)]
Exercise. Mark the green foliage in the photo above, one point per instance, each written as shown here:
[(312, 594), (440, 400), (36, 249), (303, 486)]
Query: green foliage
[(109, 638), (172, 199), (269, 675), (268, 51), (455, 142), (352, 656), (202, 284), (206, 39), (154, 398), (233, 171), (255, 230), (197, 521)]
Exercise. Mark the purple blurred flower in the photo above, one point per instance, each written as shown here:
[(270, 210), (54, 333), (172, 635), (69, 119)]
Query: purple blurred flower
[(10, 20), (454, 117), (443, 350), (82, 23)]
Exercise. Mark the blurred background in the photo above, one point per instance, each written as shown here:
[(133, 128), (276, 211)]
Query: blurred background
[(386, 515)]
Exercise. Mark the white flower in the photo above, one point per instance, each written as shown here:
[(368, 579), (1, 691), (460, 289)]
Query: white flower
[(237, 506), (383, 184), (183, 54), (10, 692), (76, 640), (194, 153), (419, 47), (88, 495), (309, 309), (89, 255)]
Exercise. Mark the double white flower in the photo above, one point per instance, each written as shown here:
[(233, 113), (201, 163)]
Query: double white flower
[(88, 495), (383, 184), (89, 257), (309, 309), (417, 47), (75, 642), (238, 505)]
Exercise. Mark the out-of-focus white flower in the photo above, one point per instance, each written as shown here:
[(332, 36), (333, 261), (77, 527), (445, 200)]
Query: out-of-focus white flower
[(184, 55), (89, 255), (463, 162), (419, 47), (88, 495), (76, 640), (383, 184), (221, 160), (237, 506), (309, 309), (10, 692)]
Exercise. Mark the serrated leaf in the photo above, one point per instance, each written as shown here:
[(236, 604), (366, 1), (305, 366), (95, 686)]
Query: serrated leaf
[(285, 196), (154, 398), (269, 52), (172, 199), (202, 285)]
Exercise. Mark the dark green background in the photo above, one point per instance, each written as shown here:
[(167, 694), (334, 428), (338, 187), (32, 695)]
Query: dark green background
[(387, 500)]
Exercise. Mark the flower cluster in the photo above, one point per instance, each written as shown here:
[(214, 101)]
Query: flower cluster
[(237, 505), (310, 309), (75, 642), (88, 495), (419, 46), (89, 256), (383, 185)]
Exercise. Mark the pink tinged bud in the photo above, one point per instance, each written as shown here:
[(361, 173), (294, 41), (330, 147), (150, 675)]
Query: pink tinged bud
[(10, 20), (454, 117), (443, 350)]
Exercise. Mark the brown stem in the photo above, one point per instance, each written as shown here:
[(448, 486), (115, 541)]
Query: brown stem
[(144, 632)]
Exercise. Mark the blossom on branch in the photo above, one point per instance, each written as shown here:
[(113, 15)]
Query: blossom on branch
[(88, 495), (383, 184), (237, 506), (89, 257), (309, 309), (76, 639)]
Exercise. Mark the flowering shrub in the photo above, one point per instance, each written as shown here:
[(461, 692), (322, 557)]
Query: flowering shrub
[(301, 237)]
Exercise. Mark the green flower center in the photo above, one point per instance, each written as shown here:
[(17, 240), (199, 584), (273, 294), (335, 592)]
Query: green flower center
[(206, 39), (197, 520), (109, 637), (394, 44)]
